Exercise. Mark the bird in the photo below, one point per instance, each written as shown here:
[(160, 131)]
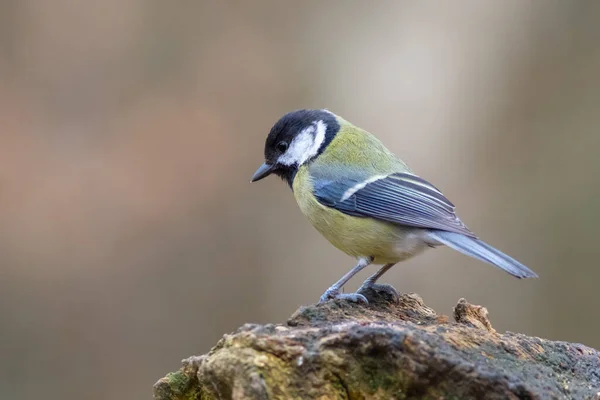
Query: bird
[(365, 200)]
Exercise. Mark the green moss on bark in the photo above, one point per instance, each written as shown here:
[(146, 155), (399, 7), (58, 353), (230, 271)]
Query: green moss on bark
[(405, 351)]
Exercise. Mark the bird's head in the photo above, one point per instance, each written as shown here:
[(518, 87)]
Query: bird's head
[(296, 139)]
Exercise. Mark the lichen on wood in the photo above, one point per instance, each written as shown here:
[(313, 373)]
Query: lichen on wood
[(385, 350)]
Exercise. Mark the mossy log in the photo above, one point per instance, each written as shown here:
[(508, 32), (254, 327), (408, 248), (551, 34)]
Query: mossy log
[(385, 350)]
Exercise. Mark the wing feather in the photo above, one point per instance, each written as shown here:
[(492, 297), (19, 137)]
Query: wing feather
[(400, 198)]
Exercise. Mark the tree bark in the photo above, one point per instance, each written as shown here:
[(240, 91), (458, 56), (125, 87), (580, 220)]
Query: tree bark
[(385, 350)]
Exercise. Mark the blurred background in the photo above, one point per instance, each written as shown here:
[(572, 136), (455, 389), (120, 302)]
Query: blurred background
[(130, 236)]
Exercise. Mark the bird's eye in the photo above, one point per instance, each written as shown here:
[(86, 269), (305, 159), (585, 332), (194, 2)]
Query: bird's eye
[(282, 146)]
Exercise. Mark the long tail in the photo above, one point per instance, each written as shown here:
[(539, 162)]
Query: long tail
[(484, 252)]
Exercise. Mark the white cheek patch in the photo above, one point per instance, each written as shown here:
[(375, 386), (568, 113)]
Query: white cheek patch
[(305, 145), (299, 146)]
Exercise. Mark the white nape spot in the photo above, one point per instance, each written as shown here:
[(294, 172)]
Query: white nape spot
[(361, 185), (305, 145)]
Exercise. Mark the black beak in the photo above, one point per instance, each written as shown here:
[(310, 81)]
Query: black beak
[(262, 172)]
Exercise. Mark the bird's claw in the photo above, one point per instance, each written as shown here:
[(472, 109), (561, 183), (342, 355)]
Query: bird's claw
[(379, 290), (335, 294)]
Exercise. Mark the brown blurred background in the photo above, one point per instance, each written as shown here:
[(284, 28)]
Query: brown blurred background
[(130, 236)]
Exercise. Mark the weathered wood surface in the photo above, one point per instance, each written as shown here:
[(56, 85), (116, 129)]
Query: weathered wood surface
[(384, 350)]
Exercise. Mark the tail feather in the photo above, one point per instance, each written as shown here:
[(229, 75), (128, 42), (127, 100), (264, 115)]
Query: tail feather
[(484, 252)]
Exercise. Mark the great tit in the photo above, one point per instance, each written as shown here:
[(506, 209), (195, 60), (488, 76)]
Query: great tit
[(365, 200)]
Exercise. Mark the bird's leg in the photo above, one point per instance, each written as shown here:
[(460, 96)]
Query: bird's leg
[(334, 291), (369, 286)]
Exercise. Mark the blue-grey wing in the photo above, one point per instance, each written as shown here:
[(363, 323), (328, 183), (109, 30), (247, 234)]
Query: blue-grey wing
[(400, 198)]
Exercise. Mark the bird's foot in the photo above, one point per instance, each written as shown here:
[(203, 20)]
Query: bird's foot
[(334, 293), (380, 291)]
